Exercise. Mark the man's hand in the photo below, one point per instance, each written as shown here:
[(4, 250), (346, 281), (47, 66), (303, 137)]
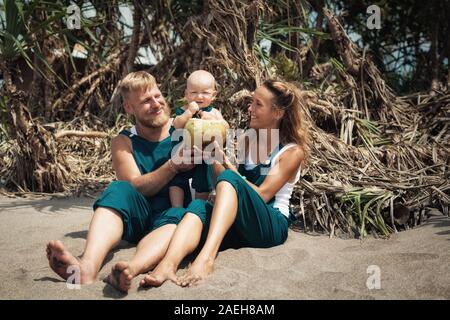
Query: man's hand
[(184, 159)]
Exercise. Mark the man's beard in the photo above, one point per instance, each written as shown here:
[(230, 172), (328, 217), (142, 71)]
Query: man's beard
[(157, 122)]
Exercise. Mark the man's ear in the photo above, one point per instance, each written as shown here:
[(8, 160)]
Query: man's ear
[(127, 107)]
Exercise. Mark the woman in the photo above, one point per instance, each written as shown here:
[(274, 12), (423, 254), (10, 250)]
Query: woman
[(251, 208)]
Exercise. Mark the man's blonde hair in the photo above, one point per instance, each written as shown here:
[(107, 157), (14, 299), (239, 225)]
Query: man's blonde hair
[(139, 80)]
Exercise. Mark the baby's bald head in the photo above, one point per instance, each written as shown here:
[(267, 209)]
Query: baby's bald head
[(201, 78), (201, 88)]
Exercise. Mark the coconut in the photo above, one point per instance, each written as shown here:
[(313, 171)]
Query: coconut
[(203, 132)]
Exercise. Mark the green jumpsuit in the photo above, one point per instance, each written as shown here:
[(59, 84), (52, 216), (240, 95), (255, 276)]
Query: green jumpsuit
[(258, 224), (140, 214)]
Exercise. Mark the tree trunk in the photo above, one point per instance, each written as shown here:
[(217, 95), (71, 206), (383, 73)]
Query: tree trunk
[(448, 78), (316, 40), (38, 165), (135, 39), (343, 44), (434, 55), (448, 63), (294, 41)]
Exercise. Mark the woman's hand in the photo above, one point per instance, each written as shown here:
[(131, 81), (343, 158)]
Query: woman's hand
[(220, 159)]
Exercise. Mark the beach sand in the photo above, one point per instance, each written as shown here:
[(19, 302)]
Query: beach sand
[(412, 264)]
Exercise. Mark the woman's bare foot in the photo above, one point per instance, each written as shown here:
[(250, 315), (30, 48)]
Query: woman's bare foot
[(196, 273), (61, 260), (161, 274), (120, 276)]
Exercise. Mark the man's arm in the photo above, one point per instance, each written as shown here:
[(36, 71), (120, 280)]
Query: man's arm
[(126, 169)]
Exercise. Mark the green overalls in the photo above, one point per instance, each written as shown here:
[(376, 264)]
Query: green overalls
[(179, 111), (201, 174), (141, 215), (258, 224)]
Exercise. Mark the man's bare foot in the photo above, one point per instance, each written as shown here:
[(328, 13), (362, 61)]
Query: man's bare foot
[(196, 273), (120, 276), (60, 260), (161, 274)]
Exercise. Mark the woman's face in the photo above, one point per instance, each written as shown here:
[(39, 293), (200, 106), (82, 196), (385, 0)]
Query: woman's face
[(262, 114)]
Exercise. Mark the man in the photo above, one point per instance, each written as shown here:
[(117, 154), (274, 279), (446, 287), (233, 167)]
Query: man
[(135, 208)]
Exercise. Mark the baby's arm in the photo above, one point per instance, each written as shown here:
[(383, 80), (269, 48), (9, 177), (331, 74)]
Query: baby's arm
[(180, 121)]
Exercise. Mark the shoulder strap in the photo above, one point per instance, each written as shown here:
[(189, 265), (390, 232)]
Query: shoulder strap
[(276, 155), (129, 133), (179, 111), (207, 109), (126, 133), (275, 158)]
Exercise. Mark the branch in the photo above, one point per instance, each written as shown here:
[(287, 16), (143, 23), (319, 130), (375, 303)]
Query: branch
[(113, 61), (349, 56), (83, 134)]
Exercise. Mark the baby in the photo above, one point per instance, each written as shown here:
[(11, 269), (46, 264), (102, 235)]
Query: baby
[(200, 93)]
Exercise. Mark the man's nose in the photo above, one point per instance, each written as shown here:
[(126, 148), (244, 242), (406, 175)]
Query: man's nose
[(154, 102)]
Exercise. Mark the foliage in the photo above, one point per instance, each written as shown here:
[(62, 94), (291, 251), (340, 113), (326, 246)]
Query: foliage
[(372, 150)]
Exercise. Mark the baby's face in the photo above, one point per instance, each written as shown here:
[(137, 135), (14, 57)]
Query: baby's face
[(202, 93)]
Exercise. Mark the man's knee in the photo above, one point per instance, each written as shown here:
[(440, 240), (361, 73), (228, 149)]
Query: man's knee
[(120, 192), (131, 205), (121, 186)]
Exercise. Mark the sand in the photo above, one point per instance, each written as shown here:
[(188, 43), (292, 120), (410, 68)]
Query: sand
[(412, 264)]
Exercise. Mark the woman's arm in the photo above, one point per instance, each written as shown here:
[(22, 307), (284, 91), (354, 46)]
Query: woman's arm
[(282, 172), (218, 167), (285, 170), (221, 162)]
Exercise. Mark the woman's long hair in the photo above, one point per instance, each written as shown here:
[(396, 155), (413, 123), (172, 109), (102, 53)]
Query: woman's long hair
[(293, 126)]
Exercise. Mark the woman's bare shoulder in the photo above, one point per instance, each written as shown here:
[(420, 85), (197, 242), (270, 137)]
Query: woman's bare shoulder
[(293, 153)]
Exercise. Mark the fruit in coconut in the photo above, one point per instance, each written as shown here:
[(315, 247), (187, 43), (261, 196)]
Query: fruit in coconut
[(202, 132)]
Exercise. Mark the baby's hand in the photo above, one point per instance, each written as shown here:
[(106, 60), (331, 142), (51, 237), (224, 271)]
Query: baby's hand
[(193, 107)]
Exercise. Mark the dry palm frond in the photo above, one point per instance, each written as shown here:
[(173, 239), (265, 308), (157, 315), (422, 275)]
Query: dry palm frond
[(377, 163)]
